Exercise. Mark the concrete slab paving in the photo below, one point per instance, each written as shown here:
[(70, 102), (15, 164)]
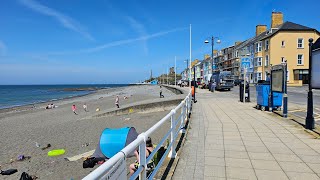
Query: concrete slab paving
[(232, 140)]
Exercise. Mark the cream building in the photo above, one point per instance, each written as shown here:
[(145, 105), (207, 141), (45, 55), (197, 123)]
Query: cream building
[(284, 41)]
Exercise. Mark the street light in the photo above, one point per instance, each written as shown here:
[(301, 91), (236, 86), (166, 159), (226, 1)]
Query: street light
[(310, 118), (187, 68), (212, 44)]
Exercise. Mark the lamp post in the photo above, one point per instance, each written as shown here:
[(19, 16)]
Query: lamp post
[(270, 102), (175, 70), (310, 118), (187, 68), (194, 83), (167, 77), (212, 44), (285, 95)]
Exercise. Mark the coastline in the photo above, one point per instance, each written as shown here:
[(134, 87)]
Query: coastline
[(33, 106), (61, 128)]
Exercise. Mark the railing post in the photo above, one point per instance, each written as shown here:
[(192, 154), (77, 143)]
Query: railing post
[(172, 153), (183, 117), (190, 105), (187, 105), (143, 158)]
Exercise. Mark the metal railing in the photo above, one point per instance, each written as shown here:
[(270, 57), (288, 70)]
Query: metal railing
[(115, 166)]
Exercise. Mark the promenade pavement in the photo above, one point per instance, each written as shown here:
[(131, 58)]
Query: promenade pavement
[(231, 140)]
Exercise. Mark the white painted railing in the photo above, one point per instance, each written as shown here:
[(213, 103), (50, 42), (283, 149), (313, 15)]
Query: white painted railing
[(115, 167)]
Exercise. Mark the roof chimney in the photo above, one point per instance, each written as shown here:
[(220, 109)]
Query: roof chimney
[(276, 19), (260, 29), (237, 43)]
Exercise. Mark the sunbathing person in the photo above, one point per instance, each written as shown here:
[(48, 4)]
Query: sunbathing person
[(149, 148)]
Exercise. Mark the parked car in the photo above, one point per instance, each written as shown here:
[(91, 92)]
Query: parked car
[(221, 81), (237, 82), (183, 83)]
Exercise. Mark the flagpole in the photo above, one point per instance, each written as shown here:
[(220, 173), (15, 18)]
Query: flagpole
[(190, 60), (175, 70)]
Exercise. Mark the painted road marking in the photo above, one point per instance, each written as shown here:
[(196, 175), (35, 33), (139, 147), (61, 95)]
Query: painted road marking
[(77, 157), (297, 110)]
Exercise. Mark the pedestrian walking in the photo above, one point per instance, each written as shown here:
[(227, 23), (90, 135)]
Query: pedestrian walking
[(117, 102), (85, 107), (74, 109), (161, 96)]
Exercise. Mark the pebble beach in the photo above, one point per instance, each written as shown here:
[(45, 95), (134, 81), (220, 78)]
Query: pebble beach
[(26, 130)]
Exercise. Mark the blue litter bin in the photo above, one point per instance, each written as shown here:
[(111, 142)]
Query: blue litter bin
[(262, 91)]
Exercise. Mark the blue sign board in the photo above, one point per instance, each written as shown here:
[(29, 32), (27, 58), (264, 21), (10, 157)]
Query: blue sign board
[(246, 62)]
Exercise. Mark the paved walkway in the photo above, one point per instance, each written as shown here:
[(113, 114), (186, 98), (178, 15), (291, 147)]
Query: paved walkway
[(231, 140)]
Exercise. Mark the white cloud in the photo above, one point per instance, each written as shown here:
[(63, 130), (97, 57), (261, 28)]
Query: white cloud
[(3, 49), (66, 21), (119, 43)]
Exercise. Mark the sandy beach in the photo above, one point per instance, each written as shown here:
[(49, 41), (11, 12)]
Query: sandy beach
[(22, 129)]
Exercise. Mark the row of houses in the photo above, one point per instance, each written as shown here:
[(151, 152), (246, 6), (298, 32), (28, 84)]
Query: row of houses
[(282, 42)]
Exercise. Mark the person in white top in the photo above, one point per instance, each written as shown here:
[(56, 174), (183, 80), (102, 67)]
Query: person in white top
[(117, 102), (85, 107)]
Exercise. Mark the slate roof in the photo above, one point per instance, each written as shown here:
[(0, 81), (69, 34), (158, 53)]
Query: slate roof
[(252, 40), (289, 26), (293, 26)]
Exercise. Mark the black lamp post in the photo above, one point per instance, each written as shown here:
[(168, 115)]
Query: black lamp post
[(310, 118), (194, 83), (285, 95), (212, 44)]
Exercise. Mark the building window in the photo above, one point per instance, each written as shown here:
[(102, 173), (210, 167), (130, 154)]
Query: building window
[(298, 74), (267, 44), (266, 63), (283, 44), (258, 47), (282, 60), (300, 59), (300, 42), (258, 61), (259, 74), (237, 54)]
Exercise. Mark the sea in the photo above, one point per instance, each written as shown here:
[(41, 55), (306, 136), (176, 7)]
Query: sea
[(19, 95)]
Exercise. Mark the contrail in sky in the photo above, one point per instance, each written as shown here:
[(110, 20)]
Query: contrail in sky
[(64, 20), (119, 43)]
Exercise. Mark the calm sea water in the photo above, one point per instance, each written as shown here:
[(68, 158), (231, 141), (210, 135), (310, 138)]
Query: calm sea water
[(18, 95)]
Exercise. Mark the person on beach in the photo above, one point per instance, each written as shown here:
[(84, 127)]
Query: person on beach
[(149, 148), (74, 108), (117, 102), (85, 107), (161, 96)]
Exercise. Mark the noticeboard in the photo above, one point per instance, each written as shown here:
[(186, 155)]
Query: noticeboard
[(315, 82), (277, 79)]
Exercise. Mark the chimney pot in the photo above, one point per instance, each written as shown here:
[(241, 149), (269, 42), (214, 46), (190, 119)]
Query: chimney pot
[(260, 29), (276, 19)]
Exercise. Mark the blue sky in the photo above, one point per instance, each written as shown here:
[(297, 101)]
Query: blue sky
[(110, 41)]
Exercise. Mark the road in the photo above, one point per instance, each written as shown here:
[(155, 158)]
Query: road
[(297, 100)]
